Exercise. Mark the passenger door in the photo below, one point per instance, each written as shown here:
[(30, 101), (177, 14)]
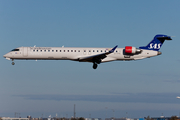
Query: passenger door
[(25, 51)]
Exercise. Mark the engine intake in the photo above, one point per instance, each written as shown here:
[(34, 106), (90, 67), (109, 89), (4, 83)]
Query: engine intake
[(132, 50)]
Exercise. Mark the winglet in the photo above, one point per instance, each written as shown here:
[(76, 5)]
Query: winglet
[(112, 50)]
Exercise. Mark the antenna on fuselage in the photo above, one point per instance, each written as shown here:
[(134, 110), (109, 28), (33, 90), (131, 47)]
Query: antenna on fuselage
[(34, 45), (62, 46)]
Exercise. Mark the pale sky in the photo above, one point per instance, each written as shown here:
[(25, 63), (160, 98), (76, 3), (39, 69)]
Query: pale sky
[(132, 88)]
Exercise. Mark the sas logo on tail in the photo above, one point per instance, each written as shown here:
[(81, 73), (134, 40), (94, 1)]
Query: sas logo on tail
[(155, 46)]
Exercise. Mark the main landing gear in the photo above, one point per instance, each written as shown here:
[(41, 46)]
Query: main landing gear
[(96, 61), (95, 65)]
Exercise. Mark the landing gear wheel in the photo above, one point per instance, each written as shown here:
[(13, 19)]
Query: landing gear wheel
[(13, 63), (95, 66)]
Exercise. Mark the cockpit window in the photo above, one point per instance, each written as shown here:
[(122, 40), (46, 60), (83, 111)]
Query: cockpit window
[(15, 50)]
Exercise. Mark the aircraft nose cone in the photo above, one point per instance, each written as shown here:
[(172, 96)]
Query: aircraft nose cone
[(5, 55), (8, 55)]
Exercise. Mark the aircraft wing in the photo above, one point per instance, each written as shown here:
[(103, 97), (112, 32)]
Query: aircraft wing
[(98, 57)]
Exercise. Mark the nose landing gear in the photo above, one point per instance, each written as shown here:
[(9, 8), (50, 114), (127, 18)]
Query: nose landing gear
[(13, 62)]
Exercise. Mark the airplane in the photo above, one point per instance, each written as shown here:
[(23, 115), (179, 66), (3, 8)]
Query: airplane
[(92, 55), (178, 97)]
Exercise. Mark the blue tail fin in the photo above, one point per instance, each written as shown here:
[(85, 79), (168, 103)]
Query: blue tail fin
[(156, 43)]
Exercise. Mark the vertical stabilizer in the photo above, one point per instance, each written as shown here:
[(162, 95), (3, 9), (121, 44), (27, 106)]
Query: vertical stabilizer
[(156, 43)]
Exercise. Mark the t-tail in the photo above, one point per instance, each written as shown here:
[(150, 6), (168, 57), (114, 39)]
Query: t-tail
[(156, 43)]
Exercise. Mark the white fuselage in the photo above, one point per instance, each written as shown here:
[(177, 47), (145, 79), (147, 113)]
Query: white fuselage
[(75, 54)]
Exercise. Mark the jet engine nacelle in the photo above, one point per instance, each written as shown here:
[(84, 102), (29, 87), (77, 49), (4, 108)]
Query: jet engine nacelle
[(132, 50)]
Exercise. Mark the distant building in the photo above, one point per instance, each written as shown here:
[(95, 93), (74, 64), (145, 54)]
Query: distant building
[(93, 119), (8, 118), (118, 119), (141, 118), (55, 118), (161, 118)]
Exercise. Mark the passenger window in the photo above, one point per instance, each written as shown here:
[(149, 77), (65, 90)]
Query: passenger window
[(48, 50), (71, 50), (52, 50), (37, 50), (79, 51), (89, 50), (64, 50), (68, 50), (101, 50), (59, 50), (33, 50), (74, 50), (97, 50), (56, 50), (84, 50), (44, 50)]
